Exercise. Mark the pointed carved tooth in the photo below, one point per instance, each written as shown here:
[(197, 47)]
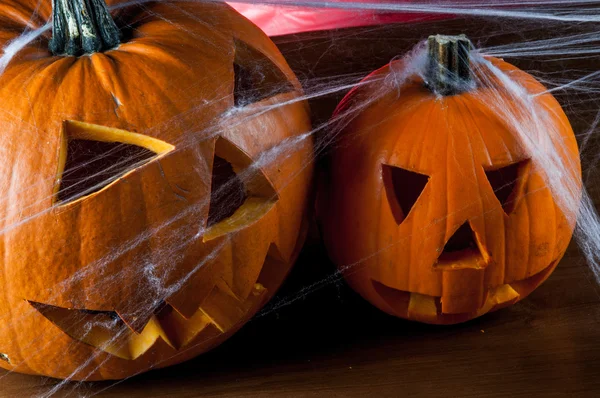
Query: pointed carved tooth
[(505, 293), (141, 343), (500, 295), (223, 307), (135, 320), (180, 330), (274, 268), (248, 265), (422, 305), (202, 278), (198, 323)]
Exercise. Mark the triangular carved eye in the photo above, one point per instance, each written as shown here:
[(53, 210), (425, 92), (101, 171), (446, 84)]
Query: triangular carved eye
[(93, 156), (508, 183), (240, 194), (256, 76), (403, 188), (228, 192)]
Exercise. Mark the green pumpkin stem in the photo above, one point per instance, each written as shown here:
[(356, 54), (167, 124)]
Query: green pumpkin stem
[(449, 69), (82, 27)]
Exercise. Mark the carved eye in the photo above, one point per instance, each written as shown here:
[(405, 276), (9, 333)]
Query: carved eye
[(240, 193), (93, 156), (403, 188), (228, 192), (508, 183), (256, 76)]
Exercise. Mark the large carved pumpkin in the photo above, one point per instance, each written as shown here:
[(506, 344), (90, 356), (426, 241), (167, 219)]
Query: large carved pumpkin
[(435, 207), (153, 190)]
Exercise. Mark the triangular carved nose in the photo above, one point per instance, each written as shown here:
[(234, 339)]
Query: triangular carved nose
[(463, 250)]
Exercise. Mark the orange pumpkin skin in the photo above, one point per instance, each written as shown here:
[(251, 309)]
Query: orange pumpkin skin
[(397, 257), (131, 277)]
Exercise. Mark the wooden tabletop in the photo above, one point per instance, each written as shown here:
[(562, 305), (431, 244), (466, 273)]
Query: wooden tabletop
[(318, 338), (328, 342)]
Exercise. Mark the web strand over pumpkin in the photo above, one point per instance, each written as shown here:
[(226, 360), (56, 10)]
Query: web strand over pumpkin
[(575, 90)]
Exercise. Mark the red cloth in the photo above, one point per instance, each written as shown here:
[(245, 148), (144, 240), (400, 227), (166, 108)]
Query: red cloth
[(281, 20)]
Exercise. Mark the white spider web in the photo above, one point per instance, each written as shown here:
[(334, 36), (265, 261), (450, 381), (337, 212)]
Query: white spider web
[(556, 41)]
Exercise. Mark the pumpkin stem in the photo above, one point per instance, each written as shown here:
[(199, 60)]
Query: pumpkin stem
[(449, 70), (82, 27)]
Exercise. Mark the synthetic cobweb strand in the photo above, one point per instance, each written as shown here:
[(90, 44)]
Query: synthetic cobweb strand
[(539, 138), (528, 125), (553, 10)]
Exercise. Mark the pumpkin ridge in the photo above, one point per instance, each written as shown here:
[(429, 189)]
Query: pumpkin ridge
[(468, 112), (440, 143), (106, 251), (7, 292), (428, 107), (165, 99), (412, 109), (480, 233), (106, 69), (17, 79), (452, 200), (500, 138), (21, 15)]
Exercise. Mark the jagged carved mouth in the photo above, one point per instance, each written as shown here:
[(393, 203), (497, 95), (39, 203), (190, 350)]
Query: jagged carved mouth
[(106, 331), (424, 305), (218, 313), (419, 305)]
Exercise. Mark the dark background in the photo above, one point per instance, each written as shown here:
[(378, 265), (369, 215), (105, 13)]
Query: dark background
[(318, 338)]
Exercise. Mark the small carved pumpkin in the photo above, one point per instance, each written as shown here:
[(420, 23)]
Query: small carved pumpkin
[(433, 206), (151, 199)]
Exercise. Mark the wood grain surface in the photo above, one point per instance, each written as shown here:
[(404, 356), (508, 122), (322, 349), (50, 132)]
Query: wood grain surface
[(319, 339)]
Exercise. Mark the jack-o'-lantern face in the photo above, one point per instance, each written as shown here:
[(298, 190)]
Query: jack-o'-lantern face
[(150, 205), (435, 210)]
